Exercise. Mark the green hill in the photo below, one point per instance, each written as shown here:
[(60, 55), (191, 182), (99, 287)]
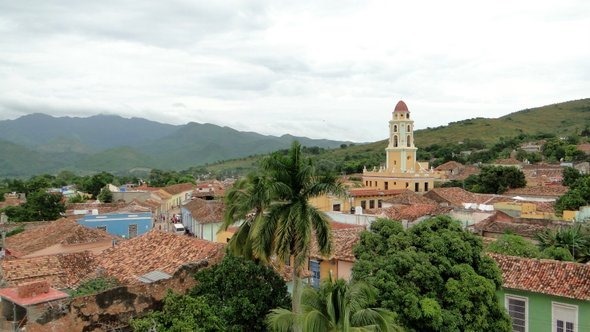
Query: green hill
[(561, 119)]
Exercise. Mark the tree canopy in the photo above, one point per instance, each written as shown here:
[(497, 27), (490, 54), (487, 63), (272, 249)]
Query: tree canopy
[(434, 276), (514, 245), (234, 295), (40, 205), (578, 195), (498, 179), (241, 292)]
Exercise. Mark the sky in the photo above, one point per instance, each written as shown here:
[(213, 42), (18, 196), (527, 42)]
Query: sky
[(321, 69)]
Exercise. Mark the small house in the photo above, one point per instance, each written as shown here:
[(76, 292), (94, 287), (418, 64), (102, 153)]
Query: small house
[(126, 225)]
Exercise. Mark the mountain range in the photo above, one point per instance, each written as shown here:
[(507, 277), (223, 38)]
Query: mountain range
[(39, 143)]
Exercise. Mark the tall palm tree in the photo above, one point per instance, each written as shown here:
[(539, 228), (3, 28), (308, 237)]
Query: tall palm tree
[(336, 307), (278, 218), (245, 202)]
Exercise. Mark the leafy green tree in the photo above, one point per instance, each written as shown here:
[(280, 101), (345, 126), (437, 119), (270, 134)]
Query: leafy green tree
[(39, 183), (498, 179), (572, 200), (76, 199), (105, 196), (578, 195), (570, 176), (17, 213), (557, 253), (336, 306), (286, 227), (94, 184), (40, 205), (181, 313), (514, 245), (575, 239), (241, 292), (554, 149), (16, 185), (64, 178), (434, 276)]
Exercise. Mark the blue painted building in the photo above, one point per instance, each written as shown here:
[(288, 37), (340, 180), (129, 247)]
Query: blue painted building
[(127, 225)]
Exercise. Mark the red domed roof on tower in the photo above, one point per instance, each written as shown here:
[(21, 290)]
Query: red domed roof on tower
[(401, 107)]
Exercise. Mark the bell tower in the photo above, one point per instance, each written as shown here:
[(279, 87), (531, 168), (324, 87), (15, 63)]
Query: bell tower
[(401, 152)]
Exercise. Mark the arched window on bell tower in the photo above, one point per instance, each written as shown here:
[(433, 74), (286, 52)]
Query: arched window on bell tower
[(409, 141), (395, 141), (408, 129), (395, 128)]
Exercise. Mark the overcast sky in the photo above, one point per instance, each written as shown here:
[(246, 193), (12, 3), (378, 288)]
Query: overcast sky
[(322, 69)]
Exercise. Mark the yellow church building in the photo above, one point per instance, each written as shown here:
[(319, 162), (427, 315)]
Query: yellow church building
[(401, 171)]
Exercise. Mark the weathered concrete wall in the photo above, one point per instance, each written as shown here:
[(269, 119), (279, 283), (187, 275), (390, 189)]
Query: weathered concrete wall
[(112, 309)]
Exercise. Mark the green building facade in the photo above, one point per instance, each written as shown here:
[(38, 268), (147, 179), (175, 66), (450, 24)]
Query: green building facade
[(535, 312)]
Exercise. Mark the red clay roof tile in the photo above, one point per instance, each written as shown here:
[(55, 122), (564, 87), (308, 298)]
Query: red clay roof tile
[(566, 279)]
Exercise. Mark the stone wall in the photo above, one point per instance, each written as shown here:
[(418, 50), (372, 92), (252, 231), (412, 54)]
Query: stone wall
[(112, 309)]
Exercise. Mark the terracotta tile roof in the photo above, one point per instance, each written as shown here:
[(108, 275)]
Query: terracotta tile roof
[(565, 279), (286, 271), (501, 223), (413, 212), (13, 295), (61, 271), (408, 197), (101, 207), (206, 211), (539, 166), (157, 250), (509, 161), (176, 189), (135, 206), (161, 194), (145, 187), (551, 191), (465, 173), (61, 231), (373, 192), (457, 197), (449, 166), (340, 225), (343, 240), (584, 147), (11, 200)]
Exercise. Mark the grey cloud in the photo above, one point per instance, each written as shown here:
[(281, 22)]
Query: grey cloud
[(161, 23)]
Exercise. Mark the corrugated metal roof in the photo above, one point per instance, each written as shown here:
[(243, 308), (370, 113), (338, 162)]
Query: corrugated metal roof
[(153, 276)]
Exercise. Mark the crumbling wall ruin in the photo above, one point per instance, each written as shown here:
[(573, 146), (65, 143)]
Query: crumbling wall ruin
[(112, 309)]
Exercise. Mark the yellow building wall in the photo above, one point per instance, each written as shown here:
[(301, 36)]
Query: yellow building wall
[(390, 183), (223, 236), (345, 270), (326, 203), (339, 269), (569, 215), (325, 268)]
